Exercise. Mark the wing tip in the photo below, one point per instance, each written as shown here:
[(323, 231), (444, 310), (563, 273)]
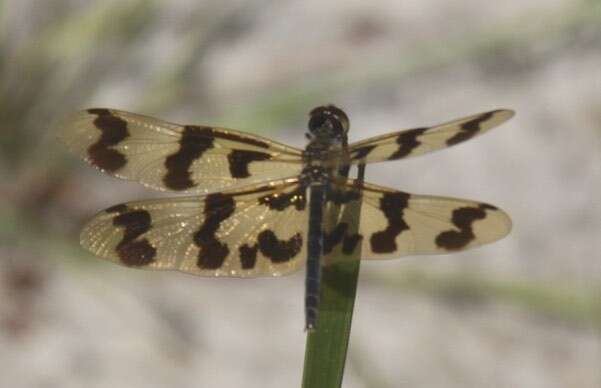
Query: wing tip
[(506, 220), (497, 220), (69, 131), (503, 114)]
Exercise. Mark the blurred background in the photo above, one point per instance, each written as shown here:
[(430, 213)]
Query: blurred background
[(524, 312)]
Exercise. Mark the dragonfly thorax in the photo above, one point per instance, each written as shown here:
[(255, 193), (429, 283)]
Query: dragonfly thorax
[(314, 175)]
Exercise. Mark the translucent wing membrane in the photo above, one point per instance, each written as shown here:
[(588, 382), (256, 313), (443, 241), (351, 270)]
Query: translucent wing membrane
[(167, 156), (394, 223), (417, 141), (261, 228), (256, 231)]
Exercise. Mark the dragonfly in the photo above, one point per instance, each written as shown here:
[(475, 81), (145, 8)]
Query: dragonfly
[(256, 207)]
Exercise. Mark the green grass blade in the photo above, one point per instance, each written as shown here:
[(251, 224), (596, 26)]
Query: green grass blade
[(325, 353)]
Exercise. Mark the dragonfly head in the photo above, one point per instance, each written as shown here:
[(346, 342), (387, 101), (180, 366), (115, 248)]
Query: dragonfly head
[(328, 122)]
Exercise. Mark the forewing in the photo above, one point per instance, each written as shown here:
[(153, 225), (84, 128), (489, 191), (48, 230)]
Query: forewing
[(395, 223), (256, 231), (167, 156), (417, 141)]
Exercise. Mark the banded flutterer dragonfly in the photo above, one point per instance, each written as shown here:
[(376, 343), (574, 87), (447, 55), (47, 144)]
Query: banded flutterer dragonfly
[(260, 204)]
